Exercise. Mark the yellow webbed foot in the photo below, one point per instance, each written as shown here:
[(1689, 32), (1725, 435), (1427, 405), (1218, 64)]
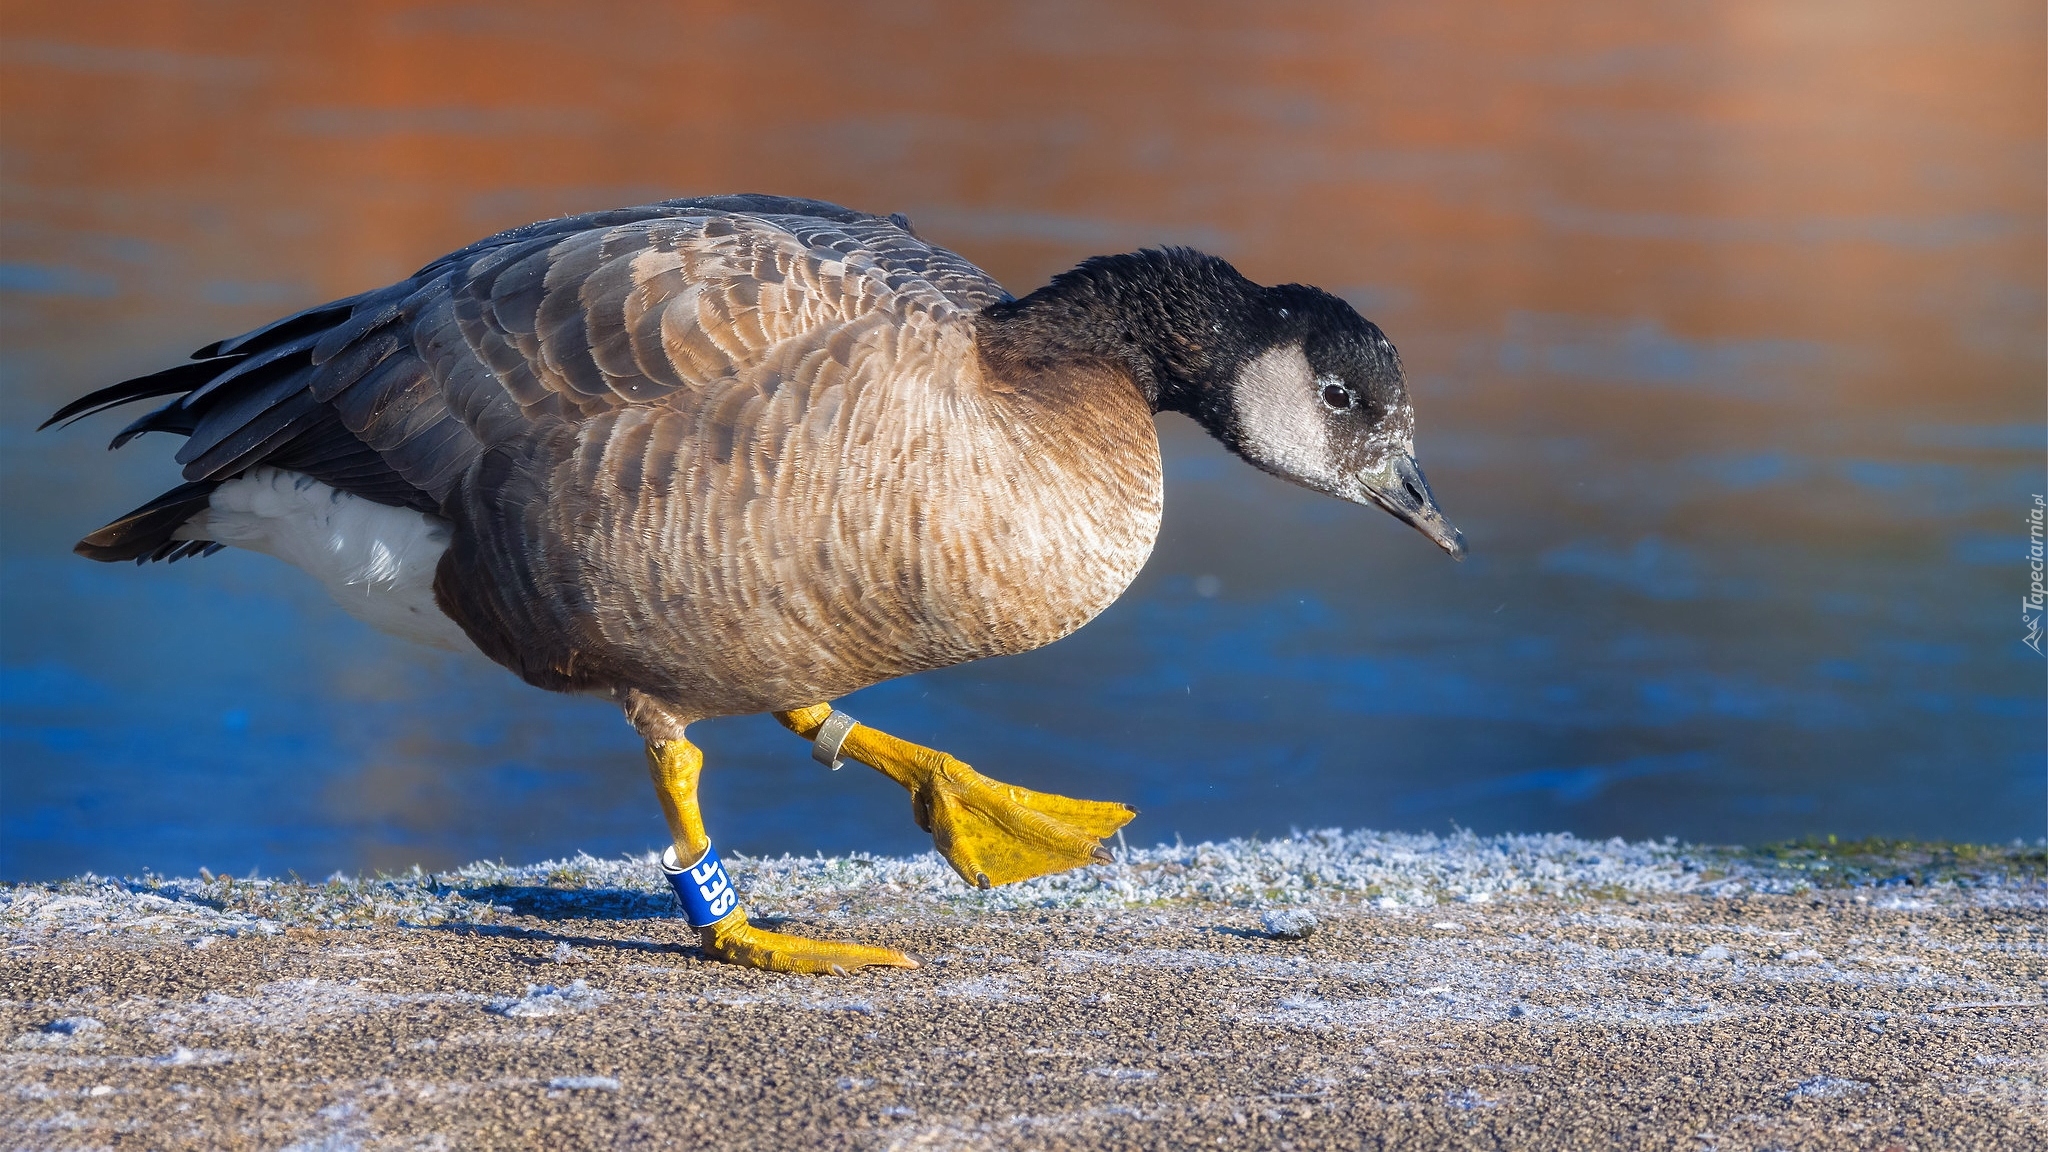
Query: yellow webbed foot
[(990, 832), (735, 941), (995, 833)]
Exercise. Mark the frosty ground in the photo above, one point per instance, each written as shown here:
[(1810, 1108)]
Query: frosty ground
[(1336, 990)]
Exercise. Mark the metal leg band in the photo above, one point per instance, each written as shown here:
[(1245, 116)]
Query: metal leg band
[(831, 737)]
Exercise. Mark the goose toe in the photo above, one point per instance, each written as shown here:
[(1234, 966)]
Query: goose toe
[(735, 941)]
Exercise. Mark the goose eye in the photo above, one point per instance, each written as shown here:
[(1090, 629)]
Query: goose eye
[(1337, 396)]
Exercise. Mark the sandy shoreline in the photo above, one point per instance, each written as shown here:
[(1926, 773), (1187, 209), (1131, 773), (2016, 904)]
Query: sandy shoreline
[(1455, 992)]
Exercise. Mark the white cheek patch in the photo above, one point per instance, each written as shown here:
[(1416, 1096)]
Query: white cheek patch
[(1280, 417)]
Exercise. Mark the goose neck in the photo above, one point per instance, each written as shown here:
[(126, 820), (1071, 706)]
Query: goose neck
[(1178, 322)]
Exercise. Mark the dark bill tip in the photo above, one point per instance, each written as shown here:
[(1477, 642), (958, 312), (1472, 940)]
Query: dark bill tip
[(1406, 494), (1453, 542)]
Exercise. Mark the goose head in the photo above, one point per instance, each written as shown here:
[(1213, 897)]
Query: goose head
[(1291, 378), (1318, 397)]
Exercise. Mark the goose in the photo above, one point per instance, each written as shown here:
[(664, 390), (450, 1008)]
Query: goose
[(729, 455)]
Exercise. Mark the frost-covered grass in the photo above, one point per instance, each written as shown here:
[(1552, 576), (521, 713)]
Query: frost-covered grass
[(1380, 869), (1833, 863)]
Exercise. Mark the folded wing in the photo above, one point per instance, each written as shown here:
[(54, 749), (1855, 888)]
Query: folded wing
[(702, 307)]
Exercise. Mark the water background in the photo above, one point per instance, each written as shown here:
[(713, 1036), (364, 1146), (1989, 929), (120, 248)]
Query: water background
[(1725, 324)]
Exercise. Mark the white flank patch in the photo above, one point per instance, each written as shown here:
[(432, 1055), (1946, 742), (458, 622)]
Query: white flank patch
[(375, 560)]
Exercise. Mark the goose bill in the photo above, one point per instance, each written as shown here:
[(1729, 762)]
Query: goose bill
[(1398, 486)]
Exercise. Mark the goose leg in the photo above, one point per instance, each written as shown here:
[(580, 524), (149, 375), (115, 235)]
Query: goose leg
[(675, 765), (990, 832)]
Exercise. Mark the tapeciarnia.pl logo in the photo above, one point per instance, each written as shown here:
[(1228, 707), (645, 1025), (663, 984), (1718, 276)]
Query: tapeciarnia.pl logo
[(2037, 596)]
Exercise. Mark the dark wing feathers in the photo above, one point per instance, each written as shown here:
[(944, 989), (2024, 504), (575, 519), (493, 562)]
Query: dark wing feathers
[(314, 319), (171, 381), (372, 310), (395, 394), (250, 443), (273, 385), (352, 361), (296, 349)]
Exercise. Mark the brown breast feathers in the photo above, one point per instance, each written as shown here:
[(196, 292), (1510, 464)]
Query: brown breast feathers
[(746, 463)]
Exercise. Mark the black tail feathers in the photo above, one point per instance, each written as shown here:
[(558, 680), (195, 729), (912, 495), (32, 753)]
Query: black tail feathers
[(146, 533)]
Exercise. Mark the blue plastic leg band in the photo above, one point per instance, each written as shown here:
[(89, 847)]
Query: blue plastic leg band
[(704, 888)]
